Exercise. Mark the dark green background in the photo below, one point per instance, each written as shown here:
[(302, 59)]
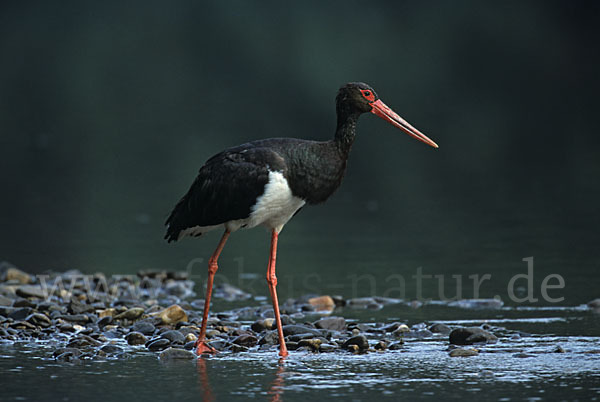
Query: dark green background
[(107, 110)]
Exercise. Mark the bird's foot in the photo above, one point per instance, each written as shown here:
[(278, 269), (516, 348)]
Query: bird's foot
[(202, 348)]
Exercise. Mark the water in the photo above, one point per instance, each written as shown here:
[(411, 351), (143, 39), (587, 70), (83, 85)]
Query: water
[(421, 370)]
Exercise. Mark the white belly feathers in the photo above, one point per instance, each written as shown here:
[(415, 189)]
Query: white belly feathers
[(275, 206)]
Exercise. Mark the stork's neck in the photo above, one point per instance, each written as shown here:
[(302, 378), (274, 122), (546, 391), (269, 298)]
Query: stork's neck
[(346, 129)]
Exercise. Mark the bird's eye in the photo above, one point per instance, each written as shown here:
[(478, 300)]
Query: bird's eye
[(368, 95)]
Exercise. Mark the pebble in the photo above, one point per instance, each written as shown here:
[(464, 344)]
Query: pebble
[(322, 303), (246, 340), (176, 354), (31, 291), (145, 327), (262, 325), (359, 341), (172, 315), (401, 330), (471, 335), (10, 273), (111, 349), (104, 321), (440, 329), (130, 314), (174, 336), (158, 344), (295, 329), (460, 352), (312, 344), (136, 338), (331, 323)]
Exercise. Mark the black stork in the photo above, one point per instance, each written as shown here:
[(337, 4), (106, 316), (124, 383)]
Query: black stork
[(266, 182)]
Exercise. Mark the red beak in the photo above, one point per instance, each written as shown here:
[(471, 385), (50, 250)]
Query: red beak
[(380, 109)]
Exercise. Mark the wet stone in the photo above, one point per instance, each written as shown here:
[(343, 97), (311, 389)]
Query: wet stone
[(381, 345), (401, 330), (176, 354), (145, 327), (158, 344), (523, 355), (172, 315), (104, 321), (31, 291), (20, 302), (440, 329), (331, 323), (40, 320), (230, 292), (460, 352), (136, 338), (270, 338), (246, 340), (396, 346), (77, 307), (111, 349), (322, 303), (20, 314), (299, 337), (174, 337), (418, 334), (471, 335), (11, 273), (5, 301), (130, 314), (327, 347), (360, 341), (262, 325), (299, 329)]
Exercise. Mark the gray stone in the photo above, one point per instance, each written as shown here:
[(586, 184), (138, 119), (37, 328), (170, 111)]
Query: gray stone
[(594, 304), (471, 335), (76, 318), (440, 329), (32, 291), (174, 336), (460, 352), (136, 338), (145, 327), (230, 292), (299, 329), (299, 337), (20, 313), (246, 340), (176, 354), (360, 341), (331, 323), (111, 349), (40, 320), (104, 321), (158, 344), (77, 307), (130, 314), (270, 338), (5, 301), (418, 334)]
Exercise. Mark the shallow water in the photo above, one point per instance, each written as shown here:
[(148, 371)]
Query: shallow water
[(521, 366)]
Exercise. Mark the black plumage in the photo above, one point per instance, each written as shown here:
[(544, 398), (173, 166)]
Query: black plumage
[(229, 183)]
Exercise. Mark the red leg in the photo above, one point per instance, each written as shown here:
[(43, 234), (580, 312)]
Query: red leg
[(201, 346), (272, 281)]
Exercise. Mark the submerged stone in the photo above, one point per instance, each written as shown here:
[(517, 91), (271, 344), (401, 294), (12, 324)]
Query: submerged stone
[(471, 335)]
